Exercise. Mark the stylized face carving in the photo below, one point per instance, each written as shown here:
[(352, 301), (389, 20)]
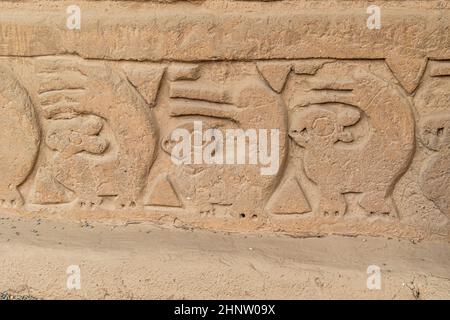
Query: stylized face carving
[(76, 135), (318, 124)]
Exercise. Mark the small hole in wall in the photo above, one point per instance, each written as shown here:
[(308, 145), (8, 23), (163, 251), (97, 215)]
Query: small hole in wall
[(440, 132), (254, 217), (242, 215)]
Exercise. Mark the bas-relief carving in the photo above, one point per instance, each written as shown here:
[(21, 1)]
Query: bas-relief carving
[(432, 103), (75, 142), (324, 108), (435, 174), (90, 133), (230, 98), (355, 127), (100, 129), (19, 138)]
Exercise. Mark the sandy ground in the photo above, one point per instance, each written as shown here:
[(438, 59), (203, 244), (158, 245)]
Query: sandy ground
[(145, 261)]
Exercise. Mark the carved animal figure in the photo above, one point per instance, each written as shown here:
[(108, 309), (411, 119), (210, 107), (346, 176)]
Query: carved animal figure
[(19, 138), (435, 174), (238, 190), (70, 88), (370, 167), (75, 141)]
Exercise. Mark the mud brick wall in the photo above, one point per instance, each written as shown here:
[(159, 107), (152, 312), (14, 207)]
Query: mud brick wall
[(361, 112)]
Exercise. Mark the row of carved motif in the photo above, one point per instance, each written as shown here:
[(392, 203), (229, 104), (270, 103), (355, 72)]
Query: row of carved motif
[(88, 133)]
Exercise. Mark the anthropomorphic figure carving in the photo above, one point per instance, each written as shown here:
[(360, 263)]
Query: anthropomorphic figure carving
[(332, 101), (435, 174), (19, 138), (69, 90)]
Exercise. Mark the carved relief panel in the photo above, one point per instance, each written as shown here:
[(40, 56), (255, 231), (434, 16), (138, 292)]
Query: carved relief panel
[(356, 131), (257, 137), (345, 137), (432, 103)]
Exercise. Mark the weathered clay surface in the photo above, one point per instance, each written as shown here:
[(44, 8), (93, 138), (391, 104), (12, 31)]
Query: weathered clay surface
[(19, 138), (361, 116)]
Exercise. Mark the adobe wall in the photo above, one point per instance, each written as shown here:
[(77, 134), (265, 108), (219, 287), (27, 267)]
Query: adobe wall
[(356, 110)]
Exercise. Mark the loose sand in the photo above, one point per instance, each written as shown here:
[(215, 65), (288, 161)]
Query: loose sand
[(147, 261)]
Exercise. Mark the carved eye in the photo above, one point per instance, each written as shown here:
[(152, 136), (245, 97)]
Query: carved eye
[(323, 126), (296, 132)]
